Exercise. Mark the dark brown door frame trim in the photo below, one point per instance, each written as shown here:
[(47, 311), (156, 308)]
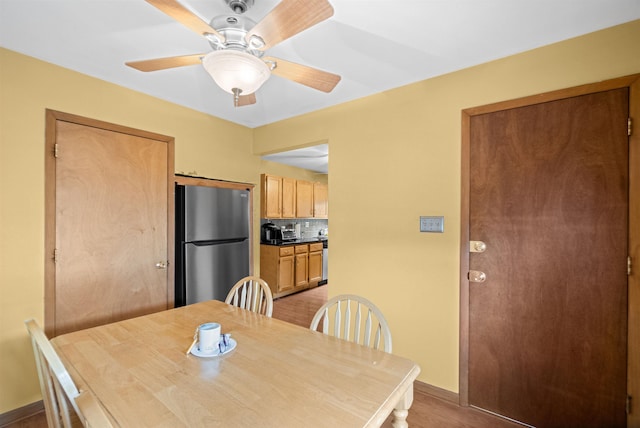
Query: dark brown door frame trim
[(633, 364), (51, 119)]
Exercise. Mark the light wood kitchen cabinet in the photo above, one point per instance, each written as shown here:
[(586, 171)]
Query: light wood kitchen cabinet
[(302, 266), (270, 196), (291, 268), (304, 199), (288, 197), (285, 197), (277, 268), (315, 263), (320, 200)]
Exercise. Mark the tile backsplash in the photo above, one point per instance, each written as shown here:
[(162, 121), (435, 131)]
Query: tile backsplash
[(309, 227)]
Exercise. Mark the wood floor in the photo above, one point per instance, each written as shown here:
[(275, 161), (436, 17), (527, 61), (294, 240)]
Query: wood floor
[(427, 411)]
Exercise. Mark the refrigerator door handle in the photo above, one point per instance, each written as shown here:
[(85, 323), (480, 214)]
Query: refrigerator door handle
[(216, 242)]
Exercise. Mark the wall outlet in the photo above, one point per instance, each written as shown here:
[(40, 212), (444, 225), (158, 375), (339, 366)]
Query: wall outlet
[(434, 224)]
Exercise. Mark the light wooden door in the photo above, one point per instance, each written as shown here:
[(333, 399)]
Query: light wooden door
[(288, 197), (286, 272), (315, 266), (549, 196), (304, 199), (271, 196), (302, 269), (320, 200), (111, 226)]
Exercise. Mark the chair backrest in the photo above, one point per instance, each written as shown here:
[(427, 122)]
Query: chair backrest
[(252, 293), (355, 319), (59, 393)]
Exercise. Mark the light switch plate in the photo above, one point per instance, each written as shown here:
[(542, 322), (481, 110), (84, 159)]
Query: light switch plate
[(434, 224)]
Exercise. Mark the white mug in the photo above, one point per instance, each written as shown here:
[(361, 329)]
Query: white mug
[(208, 337)]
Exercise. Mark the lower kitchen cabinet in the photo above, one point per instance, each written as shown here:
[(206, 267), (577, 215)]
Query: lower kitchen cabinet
[(302, 266), (291, 268), (277, 267), (314, 266)]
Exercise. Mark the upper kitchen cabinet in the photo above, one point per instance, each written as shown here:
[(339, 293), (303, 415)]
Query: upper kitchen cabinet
[(270, 196), (288, 197), (284, 197), (320, 200), (304, 199)]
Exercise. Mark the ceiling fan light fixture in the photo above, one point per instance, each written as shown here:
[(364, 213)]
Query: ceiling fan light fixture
[(233, 69)]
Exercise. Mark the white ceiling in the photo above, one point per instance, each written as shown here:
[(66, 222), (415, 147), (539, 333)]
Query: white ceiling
[(375, 45), (314, 158)]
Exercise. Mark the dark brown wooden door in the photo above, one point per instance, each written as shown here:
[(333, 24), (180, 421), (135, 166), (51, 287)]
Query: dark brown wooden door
[(111, 226), (549, 197)]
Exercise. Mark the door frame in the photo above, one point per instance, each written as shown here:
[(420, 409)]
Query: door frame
[(633, 340), (52, 118)]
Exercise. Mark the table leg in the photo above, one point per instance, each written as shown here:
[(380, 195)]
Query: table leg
[(401, 411)]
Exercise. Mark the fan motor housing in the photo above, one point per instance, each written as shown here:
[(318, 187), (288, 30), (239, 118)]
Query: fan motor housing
[(239, 6), (234, 28)]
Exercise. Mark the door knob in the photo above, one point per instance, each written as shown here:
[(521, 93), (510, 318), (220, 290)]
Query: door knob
[(161, 265), (477, 276)]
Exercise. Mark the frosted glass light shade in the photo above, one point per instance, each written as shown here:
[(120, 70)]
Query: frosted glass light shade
[(235, 69)]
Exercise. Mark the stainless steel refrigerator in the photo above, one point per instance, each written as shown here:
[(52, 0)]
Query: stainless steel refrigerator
[(212, 242)]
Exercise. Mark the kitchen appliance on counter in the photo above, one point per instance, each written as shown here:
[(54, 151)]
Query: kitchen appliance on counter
[(289, 235), (212, 242), (270, 233)]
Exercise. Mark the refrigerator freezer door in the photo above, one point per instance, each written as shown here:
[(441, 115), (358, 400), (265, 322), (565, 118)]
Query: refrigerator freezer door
[(214, 213), (211, 270)]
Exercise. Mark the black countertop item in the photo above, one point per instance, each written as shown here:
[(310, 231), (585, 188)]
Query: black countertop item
[(280, 243)]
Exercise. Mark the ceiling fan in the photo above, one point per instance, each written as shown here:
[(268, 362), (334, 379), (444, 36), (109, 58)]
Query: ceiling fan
[(237, 63)]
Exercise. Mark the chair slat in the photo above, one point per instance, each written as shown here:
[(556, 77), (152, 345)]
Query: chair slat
[(347, 321), (337, 320), (376, 344), (325, 322), (367, 329), (243, 299)]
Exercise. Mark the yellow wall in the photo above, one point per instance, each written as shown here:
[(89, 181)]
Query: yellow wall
[(396, 156), (205, 145), (210, 146)]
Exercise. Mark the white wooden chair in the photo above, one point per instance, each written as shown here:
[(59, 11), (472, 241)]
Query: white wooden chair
[(64, 405), (355, 319), (253, 294)]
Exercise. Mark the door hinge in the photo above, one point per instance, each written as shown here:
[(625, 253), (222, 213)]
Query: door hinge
[(55, 150), (629, 265), (629, 126), (55, 255), (628, 406)]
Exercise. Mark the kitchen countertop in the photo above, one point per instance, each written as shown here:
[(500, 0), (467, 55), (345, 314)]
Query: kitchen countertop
[(296, 241)]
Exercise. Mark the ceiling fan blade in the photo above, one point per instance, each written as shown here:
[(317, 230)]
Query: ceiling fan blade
[(308, 76), (289, 18), (245, 100), (164, 63), (184, 16)]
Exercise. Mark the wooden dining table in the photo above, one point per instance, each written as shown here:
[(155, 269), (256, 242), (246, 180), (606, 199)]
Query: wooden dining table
[(278, 375)]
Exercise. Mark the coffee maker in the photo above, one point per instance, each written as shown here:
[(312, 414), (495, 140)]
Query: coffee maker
[(270, 233)]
